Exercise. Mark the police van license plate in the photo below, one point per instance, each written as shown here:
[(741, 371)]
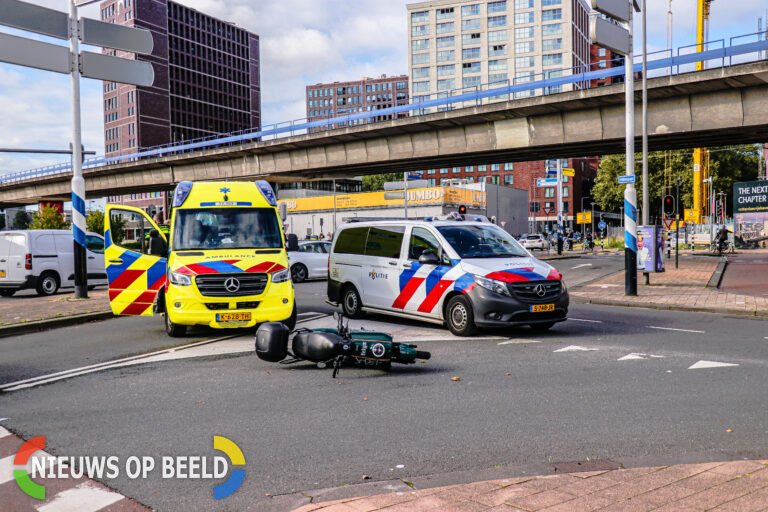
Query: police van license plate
[(233, 317), (541, 308)]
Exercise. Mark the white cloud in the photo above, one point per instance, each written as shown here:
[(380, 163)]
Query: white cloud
[(302, 42)]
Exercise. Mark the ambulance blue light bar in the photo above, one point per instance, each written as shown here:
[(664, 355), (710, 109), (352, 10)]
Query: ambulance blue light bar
[(267, 192), (181, 193)]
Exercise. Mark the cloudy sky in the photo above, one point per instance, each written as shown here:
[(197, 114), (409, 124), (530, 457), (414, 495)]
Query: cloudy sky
[(302, 42)]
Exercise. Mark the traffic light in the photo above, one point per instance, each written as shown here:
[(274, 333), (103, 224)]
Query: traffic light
[(462, 209), (669, 206), (719, 213)]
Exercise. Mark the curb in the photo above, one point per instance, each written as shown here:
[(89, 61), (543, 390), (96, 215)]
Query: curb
[(717, 276), (53, 323), (761, 315)]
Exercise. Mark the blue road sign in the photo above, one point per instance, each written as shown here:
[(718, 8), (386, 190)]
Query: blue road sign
[(601, 225), (626, 179), (546, 182)]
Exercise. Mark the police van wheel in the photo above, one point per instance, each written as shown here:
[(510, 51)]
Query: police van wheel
[(351, 303), (174, 330), (299, 273), (459, 316)]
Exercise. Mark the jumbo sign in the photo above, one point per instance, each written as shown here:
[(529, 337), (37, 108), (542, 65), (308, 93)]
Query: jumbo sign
[(431, 195)]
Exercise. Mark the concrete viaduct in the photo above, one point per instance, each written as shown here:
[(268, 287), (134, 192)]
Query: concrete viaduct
[(714, 107)]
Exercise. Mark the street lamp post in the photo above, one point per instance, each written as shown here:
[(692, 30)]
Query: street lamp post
[(592, 218)]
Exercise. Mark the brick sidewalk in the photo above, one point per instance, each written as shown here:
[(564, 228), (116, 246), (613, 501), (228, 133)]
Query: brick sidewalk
[(718, 486), (683, 288), (30, 308)]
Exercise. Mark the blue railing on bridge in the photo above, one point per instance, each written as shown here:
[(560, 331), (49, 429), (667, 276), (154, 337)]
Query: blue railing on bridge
[(550, 82)]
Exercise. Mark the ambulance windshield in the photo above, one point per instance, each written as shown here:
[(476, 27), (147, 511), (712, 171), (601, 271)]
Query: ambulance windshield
[(226, 228)]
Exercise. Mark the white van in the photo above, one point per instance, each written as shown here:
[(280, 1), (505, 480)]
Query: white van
[(463, 274), (43, 260)]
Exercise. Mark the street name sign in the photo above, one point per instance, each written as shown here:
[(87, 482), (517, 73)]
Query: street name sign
[(546, 182), (116, 69), (627, 178), (34, 18), (609, 35), (34, 54), (111, 35), (569, 172)]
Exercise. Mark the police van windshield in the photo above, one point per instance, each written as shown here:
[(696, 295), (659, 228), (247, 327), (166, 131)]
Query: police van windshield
[(226, 228), (482, 242)]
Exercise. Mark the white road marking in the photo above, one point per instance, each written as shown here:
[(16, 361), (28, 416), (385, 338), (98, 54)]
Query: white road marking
[(638, 355), (585, 320), (709, 364), (674, 329), (574, 348), (7, 466), (582, 265), (4, 432), (86, 497), (515, 342)]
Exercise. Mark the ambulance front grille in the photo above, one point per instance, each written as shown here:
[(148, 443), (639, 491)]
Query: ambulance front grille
[(214, 285)]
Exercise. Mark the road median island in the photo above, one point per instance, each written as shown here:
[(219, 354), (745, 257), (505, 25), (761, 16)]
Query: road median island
[(682, 289), (23, 314), (741, 484)]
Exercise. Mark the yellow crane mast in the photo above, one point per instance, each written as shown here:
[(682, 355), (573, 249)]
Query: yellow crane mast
[(701, 155)]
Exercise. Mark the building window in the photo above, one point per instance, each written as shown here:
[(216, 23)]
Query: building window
[(565, 191), (446, 84), (509, 166), (545, 3), (431, 171), (470, 10), (497, 65), (552, 59), (523, 33), (471, 81), (523, 4), (444, 170), (431, 182), (446, 55), (551, 14), (602, 64), (420, 86), (497, 78), (446, 13), (552, 30), (420, 58), (499, 21), (549, 192), (442, 42), (420, 44), (497, 6), (420, 73), (457, 170), (482, 168), (470, 24), (523, 17), (468, 39), (601, 52), (525, 62), (470, 53), (509, 179), (497, 35), (495, 179), (524, 47), (495, 167), (443, 28), (420, 17), (419, 30), (470, 67), (469, 168), (497, 49), (446, 70), (552, 44)]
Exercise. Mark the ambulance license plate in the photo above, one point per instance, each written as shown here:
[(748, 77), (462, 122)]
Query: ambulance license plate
[(541, 308), (233, 317)]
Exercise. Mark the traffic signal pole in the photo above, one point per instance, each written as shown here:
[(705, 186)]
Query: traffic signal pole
[(630, 194), (78, 183)]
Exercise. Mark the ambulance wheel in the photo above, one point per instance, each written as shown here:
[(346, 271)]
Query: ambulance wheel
[(299, 273), (459, 316), (351, 302), (291, 322), (7, 292), (174, 330), (47, 284)]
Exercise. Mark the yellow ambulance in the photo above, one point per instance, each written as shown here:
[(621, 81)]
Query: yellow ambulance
[(224, 264)]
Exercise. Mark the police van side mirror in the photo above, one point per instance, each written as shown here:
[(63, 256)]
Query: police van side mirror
[(429, 258), (291, 242)]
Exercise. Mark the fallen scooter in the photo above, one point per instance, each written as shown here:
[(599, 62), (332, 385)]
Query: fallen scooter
[(325, 347)]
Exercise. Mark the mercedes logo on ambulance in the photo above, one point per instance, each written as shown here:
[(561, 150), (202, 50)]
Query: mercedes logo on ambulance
[(232, 285), (540, 290)]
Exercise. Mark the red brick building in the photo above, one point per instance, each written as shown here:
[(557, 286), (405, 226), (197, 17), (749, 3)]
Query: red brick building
[(602, 58)]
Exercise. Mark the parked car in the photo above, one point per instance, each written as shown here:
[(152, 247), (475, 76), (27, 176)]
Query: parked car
[(43, 260), (310, 261), (534, 241)]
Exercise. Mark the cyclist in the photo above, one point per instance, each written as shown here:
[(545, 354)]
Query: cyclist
[(722, 239), (588, 240)]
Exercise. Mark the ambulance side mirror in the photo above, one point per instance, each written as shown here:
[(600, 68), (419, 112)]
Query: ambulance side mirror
[(283, 211), (291, 242)]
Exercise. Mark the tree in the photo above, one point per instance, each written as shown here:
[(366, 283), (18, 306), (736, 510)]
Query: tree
[(117, 227), (48, 217), (94, 221), (21, 220), (727, 165), (376, 182)]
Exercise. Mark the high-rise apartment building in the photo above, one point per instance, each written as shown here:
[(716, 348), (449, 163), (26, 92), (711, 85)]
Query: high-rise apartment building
[(207, 79), (367, 94), (458, 44)]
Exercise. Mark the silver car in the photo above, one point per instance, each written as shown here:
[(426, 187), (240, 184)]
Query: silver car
[(534, 241), (310, 261)]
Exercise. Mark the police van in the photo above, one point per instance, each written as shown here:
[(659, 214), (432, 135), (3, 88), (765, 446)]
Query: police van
[(465, 274), (224, 264)]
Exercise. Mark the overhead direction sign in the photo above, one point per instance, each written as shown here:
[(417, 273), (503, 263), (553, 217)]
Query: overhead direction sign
[(34, 18), (111, 35), (618, 9), (546, 182), (609, 35), (116, 69), (584, 218), (34, 54), (627, 178)]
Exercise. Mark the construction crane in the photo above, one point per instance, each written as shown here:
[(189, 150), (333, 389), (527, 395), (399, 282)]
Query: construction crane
[(701, 155)]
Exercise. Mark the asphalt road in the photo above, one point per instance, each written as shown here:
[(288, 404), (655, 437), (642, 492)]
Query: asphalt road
[(741, 271)]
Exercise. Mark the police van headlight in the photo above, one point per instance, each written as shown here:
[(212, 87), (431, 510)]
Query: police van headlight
[(493, 285), (281, 276), (179, 279)]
